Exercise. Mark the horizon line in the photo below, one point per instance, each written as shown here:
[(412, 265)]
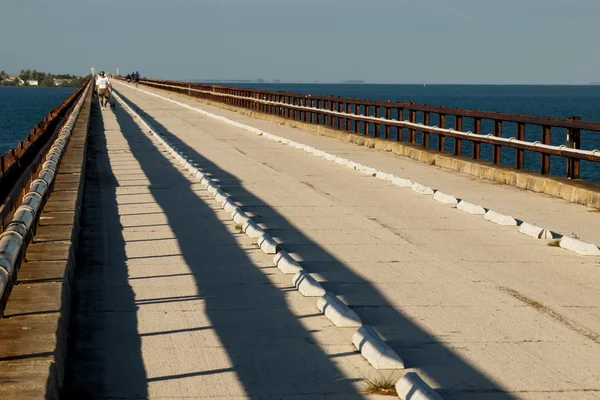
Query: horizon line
[(361, 82)]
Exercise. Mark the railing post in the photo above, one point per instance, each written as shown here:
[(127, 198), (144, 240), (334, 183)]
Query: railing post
[(545, 158), (477, 145), (399, 130), (441, 138), (458, 125), (412, 133), (376, 126), (388, 116), (520, 152), (573, 142), (426, 121), (356, 122), (331, 117), (367, 114), (497, 156), (347, 119)]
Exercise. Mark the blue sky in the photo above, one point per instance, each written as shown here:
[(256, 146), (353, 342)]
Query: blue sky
[(395, 41)]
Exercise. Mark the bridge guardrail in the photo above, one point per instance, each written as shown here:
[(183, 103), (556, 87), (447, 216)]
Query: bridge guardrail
[(379, 118), (25, 195)]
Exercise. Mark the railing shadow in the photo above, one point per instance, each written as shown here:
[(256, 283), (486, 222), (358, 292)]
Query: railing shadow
[(103, 305), (419, 349), (269, 350)]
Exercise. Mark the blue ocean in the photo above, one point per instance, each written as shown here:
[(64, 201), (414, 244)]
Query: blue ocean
[(23, 107)]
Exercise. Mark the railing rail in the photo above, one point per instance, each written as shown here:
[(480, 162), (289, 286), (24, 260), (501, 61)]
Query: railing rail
[(413, 123), (29, 184)]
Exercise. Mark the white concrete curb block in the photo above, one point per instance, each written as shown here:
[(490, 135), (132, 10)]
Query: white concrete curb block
[(228, 205), (422, 189), (368, 170), (375, 349), (470, 208), (412, 387), (341, 161), (384, 176), (353, 165), (535, 231), (268, 244), (212, 188), (330, 157), (251, 229), (220, 197), (500, 219), (402, 182), (307, 285), (579, 246), (338, 312), (286, 263), (239, 217), (445, 198)]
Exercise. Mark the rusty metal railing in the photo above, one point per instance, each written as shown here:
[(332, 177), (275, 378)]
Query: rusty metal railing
[(421, 125), (26, 182)]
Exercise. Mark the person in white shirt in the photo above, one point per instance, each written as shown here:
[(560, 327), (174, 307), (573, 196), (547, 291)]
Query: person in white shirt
[(104, 88)]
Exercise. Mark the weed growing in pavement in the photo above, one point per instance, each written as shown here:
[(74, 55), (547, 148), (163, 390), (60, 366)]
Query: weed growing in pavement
[(382, 385), (238, 227), (554, 243)]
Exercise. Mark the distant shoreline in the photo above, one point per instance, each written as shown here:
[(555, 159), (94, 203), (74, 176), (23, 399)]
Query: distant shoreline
[(39, 87)]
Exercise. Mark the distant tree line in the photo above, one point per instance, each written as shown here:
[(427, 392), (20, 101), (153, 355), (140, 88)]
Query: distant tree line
[(43, 79)]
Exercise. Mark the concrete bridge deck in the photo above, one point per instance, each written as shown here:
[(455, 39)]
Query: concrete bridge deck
[(172, 301)]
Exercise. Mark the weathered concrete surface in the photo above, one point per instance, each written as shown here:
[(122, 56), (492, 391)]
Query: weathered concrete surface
[(33, 334), (172, 302), (476, 308), (485, 184), (579, 192)]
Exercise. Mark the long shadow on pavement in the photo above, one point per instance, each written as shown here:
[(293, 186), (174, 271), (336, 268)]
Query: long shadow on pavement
[(419, 349), (271, 353), (104, 346)]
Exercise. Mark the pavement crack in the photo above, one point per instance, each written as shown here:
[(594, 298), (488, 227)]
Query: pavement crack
[(316, 189), (553, 314), (391, 229)]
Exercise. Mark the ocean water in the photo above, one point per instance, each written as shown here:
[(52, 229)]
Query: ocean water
[(554, 101), (23, 107)]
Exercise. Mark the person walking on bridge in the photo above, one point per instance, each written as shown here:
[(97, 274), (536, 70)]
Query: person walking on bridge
[(104, 88), (137, 78)]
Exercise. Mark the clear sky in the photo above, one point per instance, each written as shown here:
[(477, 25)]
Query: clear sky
[(396, 41)]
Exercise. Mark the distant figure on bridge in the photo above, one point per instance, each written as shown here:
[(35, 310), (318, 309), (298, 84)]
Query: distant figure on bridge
[(128, 78), (104, 88), (137, 78)]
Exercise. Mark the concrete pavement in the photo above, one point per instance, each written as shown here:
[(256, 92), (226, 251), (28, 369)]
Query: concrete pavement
[(171, 301), (475, 308)]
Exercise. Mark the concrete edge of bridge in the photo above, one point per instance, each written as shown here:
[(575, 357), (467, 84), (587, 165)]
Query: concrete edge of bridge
[(579, 192), (34, 332)]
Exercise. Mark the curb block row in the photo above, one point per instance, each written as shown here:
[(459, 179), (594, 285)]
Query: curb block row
[(571, 244), (366, 340)]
